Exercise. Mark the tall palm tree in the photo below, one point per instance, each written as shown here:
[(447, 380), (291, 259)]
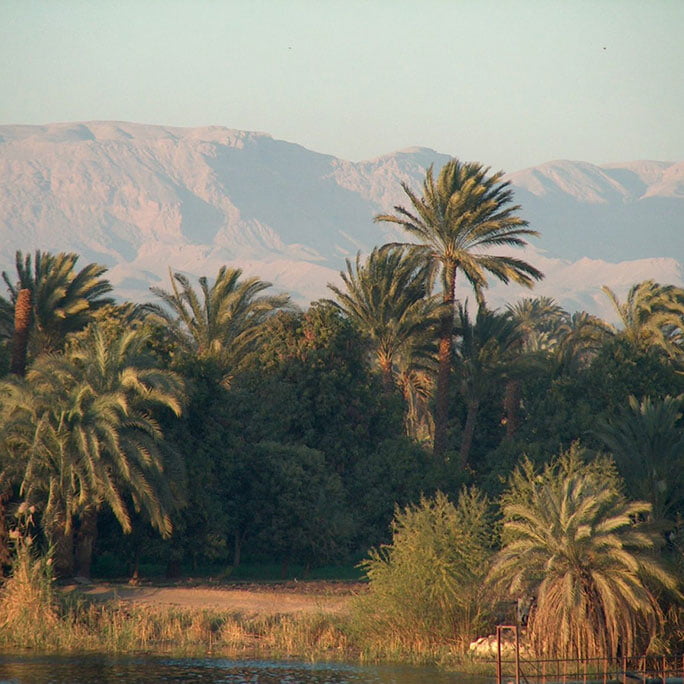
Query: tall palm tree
[(647, 442), (51, 300), (459, 218), (79, 434), (652, 316), (485, 356), (387, 297), (571, 540), (225, 322)]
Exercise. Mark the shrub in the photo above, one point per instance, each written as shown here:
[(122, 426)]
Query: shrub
[(425, 586)]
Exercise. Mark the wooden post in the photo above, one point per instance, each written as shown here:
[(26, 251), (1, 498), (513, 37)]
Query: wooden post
[(517, 655)]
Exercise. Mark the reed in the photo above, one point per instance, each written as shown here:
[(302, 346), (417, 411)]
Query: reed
[(36, 615)]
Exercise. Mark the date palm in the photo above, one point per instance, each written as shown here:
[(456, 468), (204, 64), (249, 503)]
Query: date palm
[(51, 300), (571, 540), (647, 442), (486, 354), (79, 433), (461, 216), (538, 319), (225, 321), (652, 316), (387, 298)]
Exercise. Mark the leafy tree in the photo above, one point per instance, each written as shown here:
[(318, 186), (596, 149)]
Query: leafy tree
[(570, 540), (52, 300), (646, 439), (224, 323), (459, 218), (294, 506), (426, 584)]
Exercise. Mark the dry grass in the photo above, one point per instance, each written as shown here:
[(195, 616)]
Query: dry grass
[(37, 616)]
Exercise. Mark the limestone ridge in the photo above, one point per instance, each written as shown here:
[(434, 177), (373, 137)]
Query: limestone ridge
[(141, 198)]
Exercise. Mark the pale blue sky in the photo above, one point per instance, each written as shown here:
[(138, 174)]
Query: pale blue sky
[(510, 83)]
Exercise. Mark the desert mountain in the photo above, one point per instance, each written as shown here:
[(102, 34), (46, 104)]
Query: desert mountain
[(142, 199)]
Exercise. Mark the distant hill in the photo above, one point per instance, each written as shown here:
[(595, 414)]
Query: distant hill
[(142, 199)]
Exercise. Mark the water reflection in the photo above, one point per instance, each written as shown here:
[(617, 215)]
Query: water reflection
[(91, 669)]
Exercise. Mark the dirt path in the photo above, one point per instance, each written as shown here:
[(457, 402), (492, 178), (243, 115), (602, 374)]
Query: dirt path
[(315, 597)]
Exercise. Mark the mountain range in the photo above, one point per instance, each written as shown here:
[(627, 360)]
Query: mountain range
[(143, 199)]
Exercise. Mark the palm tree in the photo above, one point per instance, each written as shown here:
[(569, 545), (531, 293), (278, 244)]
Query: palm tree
[(52, 300), (578, 341), (652, 316), (387, 298), (571, 540), (538, 321), (647, 442), (224, 325), (485, 355), (79, 433), (459, 218)]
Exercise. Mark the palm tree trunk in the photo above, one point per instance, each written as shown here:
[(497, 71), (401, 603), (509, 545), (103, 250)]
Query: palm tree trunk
[(85, 539), (469, 432), (385, 364), (62, 543), (22, 327), (445, 355), (4, 532), (511, 407)]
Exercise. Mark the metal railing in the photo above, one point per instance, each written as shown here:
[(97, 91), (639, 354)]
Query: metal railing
[(643, 669)]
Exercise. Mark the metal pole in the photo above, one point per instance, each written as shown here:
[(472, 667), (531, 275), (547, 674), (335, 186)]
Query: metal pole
[(498, 654)]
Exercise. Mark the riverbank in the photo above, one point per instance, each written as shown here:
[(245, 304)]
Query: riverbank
[(314, 621)]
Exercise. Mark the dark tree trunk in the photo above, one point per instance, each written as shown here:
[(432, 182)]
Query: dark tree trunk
[(511, 407), (85, 538), (469, 432), (4, 532), (237, 548), (445, 354), (63, 550), (22, 328)]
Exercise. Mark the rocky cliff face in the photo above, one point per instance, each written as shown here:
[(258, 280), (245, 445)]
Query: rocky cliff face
[(142, 199)]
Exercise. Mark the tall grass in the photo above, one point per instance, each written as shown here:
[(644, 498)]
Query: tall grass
[(28, 606), (35, 614)]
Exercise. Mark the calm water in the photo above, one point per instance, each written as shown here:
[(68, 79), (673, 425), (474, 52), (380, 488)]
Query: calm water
[(90, 669)]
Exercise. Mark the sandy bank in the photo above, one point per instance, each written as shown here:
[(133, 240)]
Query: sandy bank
[(252, 599)]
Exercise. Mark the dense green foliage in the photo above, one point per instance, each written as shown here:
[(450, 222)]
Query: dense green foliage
[(572, 540), (224, 425), (427, 583)]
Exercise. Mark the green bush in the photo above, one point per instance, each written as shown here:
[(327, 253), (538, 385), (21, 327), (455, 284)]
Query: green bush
[(425, 587)]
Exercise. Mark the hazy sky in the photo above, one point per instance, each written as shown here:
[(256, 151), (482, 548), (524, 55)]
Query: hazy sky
[(510, 83)]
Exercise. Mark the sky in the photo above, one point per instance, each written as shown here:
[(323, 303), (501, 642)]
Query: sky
[(509, 83)]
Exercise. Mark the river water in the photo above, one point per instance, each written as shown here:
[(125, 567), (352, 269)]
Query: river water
[(97, 669)]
